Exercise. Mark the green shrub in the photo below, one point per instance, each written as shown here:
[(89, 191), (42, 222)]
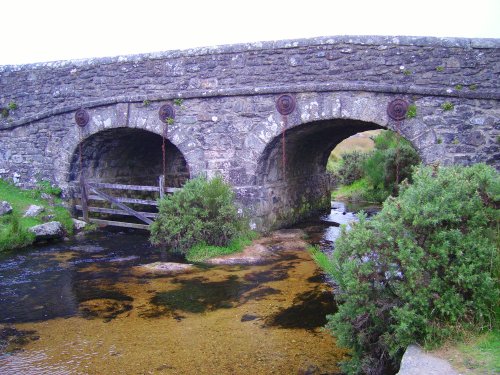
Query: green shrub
[(391, 162), (423, 269), (351, 167), (203, 212)]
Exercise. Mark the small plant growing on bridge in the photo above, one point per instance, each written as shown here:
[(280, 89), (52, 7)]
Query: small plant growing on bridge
[(12, 106), (412, 111), (422, 270), (447, 106), (439, 68), (473, 87), (202, 214), (178, 102), (459, 87), (146, 103)]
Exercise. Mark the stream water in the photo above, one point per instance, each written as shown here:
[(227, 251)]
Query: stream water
[(85, 307)]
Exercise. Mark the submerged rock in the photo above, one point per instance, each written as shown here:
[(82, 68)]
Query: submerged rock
[(48, 231), (33, 210), (250, 255), (288, 234), (166, 267), (5, 208)]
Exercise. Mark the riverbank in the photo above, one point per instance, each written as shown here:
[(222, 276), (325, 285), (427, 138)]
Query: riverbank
[(16, 220)]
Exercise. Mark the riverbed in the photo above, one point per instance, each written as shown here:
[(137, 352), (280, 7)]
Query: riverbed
[(86, 306)]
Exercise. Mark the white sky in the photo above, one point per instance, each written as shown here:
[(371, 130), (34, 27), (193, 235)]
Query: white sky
[(47, 30)]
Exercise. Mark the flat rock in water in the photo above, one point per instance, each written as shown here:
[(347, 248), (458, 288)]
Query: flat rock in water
[(166, 267), (250, 255), (87, 248), (5, 208), (33, 210), (48, 231), (416, 362), (287, 234)]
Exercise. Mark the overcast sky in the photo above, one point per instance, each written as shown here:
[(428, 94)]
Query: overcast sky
[(47, 30)]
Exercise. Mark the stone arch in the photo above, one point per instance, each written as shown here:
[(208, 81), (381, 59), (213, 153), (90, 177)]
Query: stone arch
[(128, 156), (319, 123), (128, 132)]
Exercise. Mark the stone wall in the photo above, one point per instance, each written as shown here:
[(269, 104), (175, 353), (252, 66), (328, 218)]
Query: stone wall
[(228, 124)]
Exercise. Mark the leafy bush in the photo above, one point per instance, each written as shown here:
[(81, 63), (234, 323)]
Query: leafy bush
[(423, 269), (375, 175), (203, 212), (350, 168), (390, 163)]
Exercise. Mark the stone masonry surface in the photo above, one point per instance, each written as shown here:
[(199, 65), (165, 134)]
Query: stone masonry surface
[(228, 124)]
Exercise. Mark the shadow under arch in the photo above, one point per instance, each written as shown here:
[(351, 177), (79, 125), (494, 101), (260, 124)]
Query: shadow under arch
[(303, 186), (128, 156)]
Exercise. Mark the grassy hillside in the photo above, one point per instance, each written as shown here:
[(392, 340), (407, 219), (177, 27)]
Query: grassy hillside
[(358, 142)]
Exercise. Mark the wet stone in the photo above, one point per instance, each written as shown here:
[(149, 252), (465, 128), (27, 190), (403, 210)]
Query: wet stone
[(249, 317)]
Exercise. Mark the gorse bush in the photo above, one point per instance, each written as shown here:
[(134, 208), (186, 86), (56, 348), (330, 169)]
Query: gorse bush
[(380, 170), (390, 163), (421, 270), (350, 168), (203, 212)]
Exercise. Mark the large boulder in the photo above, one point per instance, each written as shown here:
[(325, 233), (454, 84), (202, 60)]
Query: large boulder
[(33, 211), (79, 224), (48, 231), (5, 208), (416, 362)]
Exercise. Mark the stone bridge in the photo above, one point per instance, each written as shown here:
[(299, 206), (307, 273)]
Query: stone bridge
[(226, 118)]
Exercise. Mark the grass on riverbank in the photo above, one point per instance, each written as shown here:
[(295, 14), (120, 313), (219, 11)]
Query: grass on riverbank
[(353, 192), (477, 355), (202, 252), (14, 227)]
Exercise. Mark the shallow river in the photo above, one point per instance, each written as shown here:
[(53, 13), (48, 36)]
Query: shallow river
[(84, 307)]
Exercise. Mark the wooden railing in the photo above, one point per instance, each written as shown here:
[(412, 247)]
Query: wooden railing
[(93, 191)]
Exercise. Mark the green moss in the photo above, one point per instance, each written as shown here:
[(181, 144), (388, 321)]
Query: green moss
[(439, 68), (473, 87), (458, 87)]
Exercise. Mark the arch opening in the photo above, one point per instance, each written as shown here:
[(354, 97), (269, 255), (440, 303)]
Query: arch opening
[(129, 156), (303, 187)]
